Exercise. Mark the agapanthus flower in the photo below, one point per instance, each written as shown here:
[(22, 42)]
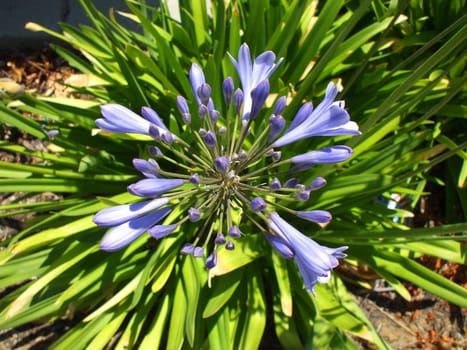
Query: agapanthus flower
[(227, 162)]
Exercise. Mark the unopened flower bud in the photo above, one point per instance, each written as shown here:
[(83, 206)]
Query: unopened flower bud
[(276, 156), (238, 100), (182, 106), (275, 184), (258, 97), (222, 164), (258, 204), (316, 184), (204, 93), (155, 151), (202, 111), (211, 260), (220, 239), (277, 123), (279, 106), (210, 139), (194, 214), (198, 252), (214, 115), (188, 249), (195, 179), (227, 89), (234, 232)]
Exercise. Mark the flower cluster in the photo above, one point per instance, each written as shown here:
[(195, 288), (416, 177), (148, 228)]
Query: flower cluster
[(228, 167)]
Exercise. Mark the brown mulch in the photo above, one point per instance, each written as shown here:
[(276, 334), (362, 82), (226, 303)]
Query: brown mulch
[(426, 322)]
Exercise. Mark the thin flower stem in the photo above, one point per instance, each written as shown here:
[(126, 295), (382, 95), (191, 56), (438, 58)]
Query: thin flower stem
[(263, 169), (268, 191)]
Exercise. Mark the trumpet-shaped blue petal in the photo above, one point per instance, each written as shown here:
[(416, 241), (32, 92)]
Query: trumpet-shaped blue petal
[(333, 154), (154, 187), (120, 119), (313, 260), (151, 115), (252, 74), (280, 246), (328, 119), (149, 167), (122, 235), (318, 216), (160, 231), (119, 214), (196, 80)]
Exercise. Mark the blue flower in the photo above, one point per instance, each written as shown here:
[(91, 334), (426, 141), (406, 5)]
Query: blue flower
[(225, 164), (251, 75), (314, 261), (328, 119)]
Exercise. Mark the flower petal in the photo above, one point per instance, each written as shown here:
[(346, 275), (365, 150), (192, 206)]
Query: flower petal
[(318, 216), (333, 154), (119, 214), (313, 260), (120, 119), (154, 187), (122, 235)]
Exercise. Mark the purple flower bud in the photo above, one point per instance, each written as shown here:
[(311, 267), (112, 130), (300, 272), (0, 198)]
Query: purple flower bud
[(153, 188), (279, 106), (222, 164), (155, 151), (204, 93), (202, 111), (235, 232), (196, 80), (195, 179), (303, 195), (333, 154), (194, 214), (120, 119), (258, 204), (210, 139), (291, 183), (227, 89), (230, 245), (220, 239), (275, 184), (202, 132), (182, 106), (242, 155), (155, 132), (160, 231), (277, 123), (152, 116), (214, 115), (198, 252), (149, 167), (168, 138), (318, 216), (316, 184), (238, 101), (222, 130), (211, 260), (258, 96), (187, 249), (276, 156)]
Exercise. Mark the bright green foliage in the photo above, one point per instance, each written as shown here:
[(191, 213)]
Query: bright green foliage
[(402, 69)]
